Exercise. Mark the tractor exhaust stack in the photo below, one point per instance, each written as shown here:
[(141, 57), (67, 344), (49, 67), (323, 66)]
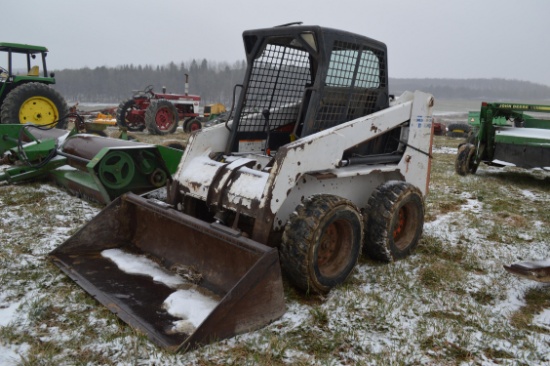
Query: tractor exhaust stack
[(186, 84)]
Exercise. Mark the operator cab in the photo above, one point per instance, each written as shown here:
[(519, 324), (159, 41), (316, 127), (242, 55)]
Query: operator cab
[(304, 79)]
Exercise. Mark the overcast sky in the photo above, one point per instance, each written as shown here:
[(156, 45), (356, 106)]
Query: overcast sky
[(425, 38)]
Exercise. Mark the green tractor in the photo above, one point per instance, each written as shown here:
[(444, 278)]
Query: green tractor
[(25, 92), (504, 135)]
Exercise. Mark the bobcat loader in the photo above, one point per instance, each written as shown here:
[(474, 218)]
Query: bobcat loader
[(313, 167)]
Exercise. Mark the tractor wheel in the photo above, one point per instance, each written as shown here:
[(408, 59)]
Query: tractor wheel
[(395, 217), (321, 243), (35, 103), (192, 125), (161, 117), (464, 163), (125, 119)]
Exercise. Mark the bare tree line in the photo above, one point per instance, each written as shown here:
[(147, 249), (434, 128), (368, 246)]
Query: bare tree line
[(211, 80), (489, 89), (214, 82)]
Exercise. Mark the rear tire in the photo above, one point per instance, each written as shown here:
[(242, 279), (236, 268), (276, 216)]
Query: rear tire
[(161, 117), (123, 120), (394, 222), (35, 103), (464, 163), (321, 243)]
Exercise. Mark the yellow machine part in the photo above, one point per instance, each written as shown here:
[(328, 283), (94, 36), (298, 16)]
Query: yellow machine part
[(216, 108)]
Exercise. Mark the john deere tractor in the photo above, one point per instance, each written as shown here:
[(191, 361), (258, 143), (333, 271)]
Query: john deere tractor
[(25, 92)]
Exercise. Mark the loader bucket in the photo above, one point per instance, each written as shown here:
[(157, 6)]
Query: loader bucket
[(240, 278)]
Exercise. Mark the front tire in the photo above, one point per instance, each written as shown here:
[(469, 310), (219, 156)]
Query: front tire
[(35, 103), (465, 156), (161, 117), (127, 120), (321, 243), (395, 218), (192, 125)]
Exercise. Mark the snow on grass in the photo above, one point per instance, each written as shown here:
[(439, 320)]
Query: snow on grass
[(7, 311), (543, 319), (444, 150), (450, 302), (11, 355)]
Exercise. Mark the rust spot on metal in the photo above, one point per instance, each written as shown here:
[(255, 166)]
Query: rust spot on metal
[(323, 175), (373, 128)]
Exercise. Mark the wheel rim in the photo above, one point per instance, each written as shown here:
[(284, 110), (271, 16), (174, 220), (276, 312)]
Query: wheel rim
[(334, 247), (164, 119), (194, 127), (134, 121), (403, 231), (116, 170), (39, 111)]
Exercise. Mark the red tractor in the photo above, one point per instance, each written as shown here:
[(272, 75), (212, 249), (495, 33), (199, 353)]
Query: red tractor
[(159, 113)]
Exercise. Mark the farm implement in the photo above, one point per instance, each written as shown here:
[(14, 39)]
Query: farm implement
[(313, 168), (505, 134), (87, 165), (509, 134)]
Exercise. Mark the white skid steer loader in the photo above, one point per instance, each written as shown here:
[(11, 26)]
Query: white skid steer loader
[(313, 167)]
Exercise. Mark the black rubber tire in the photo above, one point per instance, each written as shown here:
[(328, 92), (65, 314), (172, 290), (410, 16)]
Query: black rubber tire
[(56, 107), (192, 125), (321, 219), (394, 221), (121, 113), (458, 130), (464, 163), (161, 117)]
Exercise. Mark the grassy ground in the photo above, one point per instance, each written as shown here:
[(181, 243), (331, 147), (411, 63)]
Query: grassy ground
[(449, 303)]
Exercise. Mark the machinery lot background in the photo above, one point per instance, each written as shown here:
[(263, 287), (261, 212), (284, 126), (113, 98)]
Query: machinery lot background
[(451, 302)]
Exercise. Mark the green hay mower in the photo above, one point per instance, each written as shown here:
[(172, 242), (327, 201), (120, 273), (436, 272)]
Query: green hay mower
[(89, 166), (503, 134)]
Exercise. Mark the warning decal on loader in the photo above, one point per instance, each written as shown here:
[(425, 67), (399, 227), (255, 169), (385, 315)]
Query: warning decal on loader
[(421, 123), (251, 145)]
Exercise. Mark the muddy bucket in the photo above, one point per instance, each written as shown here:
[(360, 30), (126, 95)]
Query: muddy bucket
[(180, 280)]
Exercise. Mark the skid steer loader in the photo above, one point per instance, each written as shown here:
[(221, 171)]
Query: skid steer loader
[(313, 166)]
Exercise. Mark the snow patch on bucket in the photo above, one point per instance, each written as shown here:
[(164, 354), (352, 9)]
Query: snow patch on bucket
[(136, 264), (190, 303)]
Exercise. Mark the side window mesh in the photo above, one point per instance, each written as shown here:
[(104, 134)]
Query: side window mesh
[(277, 83), (353, 78)]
